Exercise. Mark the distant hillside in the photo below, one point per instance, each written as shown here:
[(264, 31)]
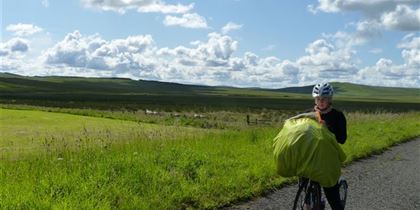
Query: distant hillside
[(349, 91), (54, 84), (54, 89)]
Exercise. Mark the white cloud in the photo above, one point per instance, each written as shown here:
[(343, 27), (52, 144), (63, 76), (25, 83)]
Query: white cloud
[(319, 46), (21, 29), (367, 30), (394, 15), (3, 52), (312, 9), (138, 57), (217, 50), (195, 43), (326, 61), (71, 51), (20, 54), (119, 55), (336, 60), (122, 6), (270, 61), (251, 59), (411, 50), (403, 18), (189, 20), (166, 9), (237, 64), (289, 68), (368, 8), (208, 62), (13, 54), (13, 45), (325, 6), (377, 16), (230, 27), (186, 18), (18, 45), (386, 73), (288, 71), (211, 62)]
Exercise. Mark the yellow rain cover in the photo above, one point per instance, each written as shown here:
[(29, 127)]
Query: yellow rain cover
[(305, 148)]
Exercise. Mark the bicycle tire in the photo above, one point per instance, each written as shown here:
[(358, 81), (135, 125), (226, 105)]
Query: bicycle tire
[(300, 195), (308, 190), (315, 195), (343, 187)]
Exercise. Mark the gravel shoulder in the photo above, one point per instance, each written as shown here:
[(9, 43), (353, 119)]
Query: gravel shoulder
[(390, 180)]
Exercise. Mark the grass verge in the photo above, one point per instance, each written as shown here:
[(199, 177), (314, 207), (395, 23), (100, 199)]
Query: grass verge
[(193, 169)]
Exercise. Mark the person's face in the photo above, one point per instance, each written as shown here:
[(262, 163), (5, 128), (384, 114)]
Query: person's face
[(322, 102)]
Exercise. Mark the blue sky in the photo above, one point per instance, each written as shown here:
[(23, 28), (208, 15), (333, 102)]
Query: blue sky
[(240, 43)]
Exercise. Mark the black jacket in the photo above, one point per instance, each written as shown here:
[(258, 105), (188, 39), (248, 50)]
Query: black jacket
[(336, 123)]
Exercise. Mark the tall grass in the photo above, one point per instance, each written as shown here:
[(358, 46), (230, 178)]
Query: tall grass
[(375, 132), (194, 170), (191, 118)]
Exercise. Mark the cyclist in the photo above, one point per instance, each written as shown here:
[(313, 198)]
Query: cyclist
[(336, 123)]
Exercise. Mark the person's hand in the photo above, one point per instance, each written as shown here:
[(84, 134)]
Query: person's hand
[(318, 117)]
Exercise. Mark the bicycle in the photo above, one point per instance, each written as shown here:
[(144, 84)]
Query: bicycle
[(309, 195)]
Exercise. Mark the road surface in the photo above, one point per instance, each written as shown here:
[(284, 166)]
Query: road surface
[(390, 180)]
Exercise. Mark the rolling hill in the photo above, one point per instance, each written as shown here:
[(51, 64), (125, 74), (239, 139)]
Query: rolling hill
[(62, 91)]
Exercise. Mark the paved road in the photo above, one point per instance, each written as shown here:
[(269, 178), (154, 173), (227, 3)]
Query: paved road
[(387, 181)]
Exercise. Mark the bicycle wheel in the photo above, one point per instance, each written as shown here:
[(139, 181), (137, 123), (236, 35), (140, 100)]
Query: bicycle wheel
[(315, 195), (299, 201), (343, 191)]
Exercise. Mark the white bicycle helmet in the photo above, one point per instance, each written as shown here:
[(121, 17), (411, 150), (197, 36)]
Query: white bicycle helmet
[(322, 90)]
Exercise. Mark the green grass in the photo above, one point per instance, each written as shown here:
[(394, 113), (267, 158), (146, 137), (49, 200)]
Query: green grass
[(348, 91), (30, 131), (10, 83), (195, 168), (117, 94), (209, 119), (376, 132)]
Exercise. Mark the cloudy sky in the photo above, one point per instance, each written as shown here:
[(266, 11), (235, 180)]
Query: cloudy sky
[(242, 43)]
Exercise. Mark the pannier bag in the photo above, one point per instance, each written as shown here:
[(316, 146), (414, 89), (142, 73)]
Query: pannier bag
[(306, 148)]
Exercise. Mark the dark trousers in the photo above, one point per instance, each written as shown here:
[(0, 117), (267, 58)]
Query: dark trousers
[(333, 197)]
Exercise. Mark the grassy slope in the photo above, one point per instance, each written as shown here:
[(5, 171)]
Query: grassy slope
[(114, 86), (365, 92), (125, 94), (30, 131), (191, 170)]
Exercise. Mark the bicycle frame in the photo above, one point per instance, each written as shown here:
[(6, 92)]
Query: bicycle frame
[(308, 196)]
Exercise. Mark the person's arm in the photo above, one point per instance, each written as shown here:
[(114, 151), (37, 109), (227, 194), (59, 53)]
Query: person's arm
[(341, 134), (304, 115)]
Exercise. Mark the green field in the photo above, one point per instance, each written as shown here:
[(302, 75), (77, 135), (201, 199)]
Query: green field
[(117, 94), (111, 143), (63, 161)]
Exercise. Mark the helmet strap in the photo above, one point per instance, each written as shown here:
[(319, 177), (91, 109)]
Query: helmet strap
[(323, 111)]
